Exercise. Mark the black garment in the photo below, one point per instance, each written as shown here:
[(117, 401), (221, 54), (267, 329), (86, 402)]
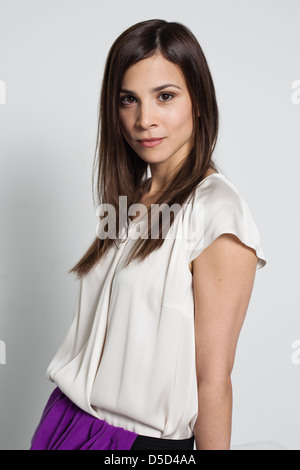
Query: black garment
[(155, 443)]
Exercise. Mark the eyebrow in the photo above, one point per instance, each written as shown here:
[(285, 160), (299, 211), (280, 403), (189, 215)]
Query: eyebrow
[(153, 90)]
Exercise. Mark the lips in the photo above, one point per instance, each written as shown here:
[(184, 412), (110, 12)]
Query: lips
[(150, 140), (153, 142)]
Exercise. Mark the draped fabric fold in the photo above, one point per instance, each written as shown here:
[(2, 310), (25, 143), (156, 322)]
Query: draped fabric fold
[(64, 426)]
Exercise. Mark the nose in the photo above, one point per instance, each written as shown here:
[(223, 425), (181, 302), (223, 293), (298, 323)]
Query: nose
[(146, 116)]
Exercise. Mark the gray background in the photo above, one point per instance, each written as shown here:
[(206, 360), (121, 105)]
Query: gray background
[(52, 56)]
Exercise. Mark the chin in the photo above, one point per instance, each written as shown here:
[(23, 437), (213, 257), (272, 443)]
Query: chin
[(154, 160)]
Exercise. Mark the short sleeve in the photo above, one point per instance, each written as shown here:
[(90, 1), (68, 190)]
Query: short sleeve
[(217, 208)]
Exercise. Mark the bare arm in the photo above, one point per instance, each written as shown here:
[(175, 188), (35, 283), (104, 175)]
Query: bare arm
[(223, 278)]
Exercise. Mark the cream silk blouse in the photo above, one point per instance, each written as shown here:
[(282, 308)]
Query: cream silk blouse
[(129, 355)]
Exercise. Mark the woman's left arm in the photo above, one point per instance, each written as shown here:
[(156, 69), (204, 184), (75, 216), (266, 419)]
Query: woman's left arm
[(223, 279)]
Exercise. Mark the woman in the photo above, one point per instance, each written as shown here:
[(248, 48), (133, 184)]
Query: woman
[(146, 363)]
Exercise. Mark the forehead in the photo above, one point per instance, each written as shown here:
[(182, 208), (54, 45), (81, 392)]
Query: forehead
[(152, 72)]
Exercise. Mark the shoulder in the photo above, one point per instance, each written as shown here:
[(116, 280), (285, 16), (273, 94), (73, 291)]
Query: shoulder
[(216, 187), (215, 208), (217, 198)]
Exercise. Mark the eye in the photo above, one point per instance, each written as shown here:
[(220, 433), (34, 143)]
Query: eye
[(166, 96), (128, 98)]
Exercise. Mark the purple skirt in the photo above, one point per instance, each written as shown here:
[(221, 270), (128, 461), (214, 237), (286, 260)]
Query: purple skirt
[(65, 426)]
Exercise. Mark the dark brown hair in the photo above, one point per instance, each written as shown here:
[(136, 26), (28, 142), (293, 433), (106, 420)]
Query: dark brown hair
[(120, 171)]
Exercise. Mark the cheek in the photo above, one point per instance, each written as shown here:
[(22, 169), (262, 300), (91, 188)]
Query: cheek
[(122, 122), (182, 120)]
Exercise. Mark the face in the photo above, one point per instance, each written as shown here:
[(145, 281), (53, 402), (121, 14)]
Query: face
[(155, 104)]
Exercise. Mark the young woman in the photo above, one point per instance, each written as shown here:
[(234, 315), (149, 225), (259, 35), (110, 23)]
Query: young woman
[(146, 363)]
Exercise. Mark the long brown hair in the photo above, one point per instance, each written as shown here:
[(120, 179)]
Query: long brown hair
[(120, 171)]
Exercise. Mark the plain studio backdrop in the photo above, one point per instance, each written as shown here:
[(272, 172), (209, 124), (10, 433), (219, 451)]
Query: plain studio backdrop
[(52, 56)]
